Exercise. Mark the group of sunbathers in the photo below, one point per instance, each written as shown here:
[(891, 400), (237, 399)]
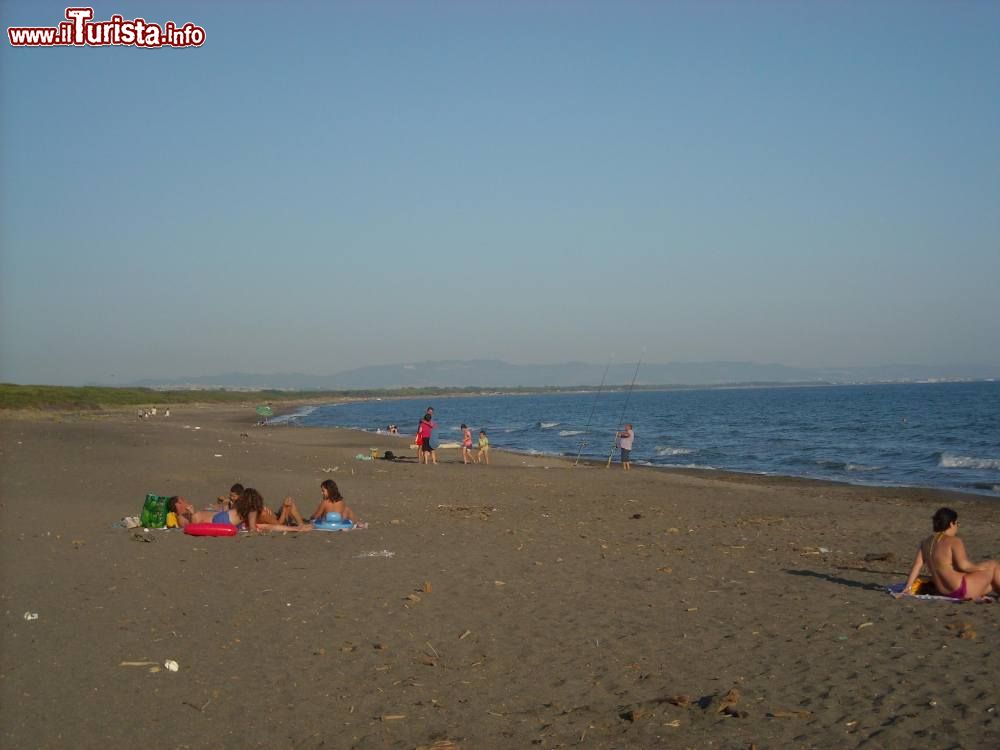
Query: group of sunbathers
[(244, 507)]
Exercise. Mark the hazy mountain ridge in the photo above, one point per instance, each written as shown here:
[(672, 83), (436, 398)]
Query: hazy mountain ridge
[(499, 374)]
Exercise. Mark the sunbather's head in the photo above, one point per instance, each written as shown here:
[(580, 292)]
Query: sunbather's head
[(943, 519), (330, 490), (178, 504), (235, 491), (250, 500)]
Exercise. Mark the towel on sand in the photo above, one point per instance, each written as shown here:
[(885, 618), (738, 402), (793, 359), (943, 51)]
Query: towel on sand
[(897, 588)]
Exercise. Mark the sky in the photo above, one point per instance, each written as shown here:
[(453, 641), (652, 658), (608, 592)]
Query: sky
[(323, 186)]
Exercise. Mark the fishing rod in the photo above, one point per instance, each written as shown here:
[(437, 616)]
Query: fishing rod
[(621, 419), (593, 408)]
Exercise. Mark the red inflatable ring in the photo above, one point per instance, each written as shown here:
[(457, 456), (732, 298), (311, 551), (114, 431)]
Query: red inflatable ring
[(210, 529)]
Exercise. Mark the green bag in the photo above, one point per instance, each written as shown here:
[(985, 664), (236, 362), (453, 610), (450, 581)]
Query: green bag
[(154, 512)]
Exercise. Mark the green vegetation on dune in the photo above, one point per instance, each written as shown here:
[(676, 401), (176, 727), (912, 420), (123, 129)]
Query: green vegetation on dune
[(97, 397), (80, 398), (53, 397)]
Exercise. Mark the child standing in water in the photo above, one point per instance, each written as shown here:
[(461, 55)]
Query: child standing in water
[(484, 448), (466, 444)]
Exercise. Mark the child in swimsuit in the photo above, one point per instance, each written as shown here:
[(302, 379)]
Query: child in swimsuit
[(466, 444), (484, 448), (332, 502), (234, 494)]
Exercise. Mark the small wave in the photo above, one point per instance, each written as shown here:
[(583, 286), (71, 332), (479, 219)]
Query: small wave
[(567, 433), (950, 461), (863, 467), (667, 450), (548, 425), (826, 464), (294, 416), (986, 486)]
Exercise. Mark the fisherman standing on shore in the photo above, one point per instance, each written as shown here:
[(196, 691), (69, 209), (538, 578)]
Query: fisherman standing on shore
[(624, 440)]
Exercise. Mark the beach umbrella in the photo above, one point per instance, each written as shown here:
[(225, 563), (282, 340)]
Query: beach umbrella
[(264, 411)]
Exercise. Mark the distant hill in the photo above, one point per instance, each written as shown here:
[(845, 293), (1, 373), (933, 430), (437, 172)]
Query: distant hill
[(499, 374)]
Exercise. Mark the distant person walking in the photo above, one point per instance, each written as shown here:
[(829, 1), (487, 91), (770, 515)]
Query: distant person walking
[(624, 440)]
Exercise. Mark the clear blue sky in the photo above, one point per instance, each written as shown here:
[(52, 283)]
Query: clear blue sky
[(325, 186)]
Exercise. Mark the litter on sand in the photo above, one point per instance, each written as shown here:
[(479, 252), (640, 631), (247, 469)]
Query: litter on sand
[(376, 553)]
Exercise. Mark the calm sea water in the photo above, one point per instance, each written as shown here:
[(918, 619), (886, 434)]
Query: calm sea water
[(944, 435)]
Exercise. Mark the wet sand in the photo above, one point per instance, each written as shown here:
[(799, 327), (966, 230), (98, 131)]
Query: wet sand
[(525, 604)]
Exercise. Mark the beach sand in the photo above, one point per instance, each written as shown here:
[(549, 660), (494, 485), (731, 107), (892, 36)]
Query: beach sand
[(525, 604)]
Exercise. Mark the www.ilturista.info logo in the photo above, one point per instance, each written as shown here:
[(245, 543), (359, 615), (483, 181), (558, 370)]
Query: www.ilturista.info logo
[(80, 30)]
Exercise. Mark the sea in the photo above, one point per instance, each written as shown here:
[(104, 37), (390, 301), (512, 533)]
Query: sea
[(938, 435)]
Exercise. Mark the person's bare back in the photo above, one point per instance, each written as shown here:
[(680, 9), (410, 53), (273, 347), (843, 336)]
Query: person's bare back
[(953, 573), (941, 552)]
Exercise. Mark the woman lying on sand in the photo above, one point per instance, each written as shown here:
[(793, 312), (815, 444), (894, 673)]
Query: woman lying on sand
[(332, 502), (944, 555), (187, 514), (251, 511)]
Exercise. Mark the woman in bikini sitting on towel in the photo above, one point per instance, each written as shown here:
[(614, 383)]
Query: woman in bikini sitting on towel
[(953, 573)]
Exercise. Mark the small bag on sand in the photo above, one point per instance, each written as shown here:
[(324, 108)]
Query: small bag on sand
[(154, 512)]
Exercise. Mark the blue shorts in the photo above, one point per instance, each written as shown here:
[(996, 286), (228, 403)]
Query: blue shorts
[(625, 454)]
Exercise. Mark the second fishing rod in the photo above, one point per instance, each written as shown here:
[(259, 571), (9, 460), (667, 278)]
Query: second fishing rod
[(621, 419)]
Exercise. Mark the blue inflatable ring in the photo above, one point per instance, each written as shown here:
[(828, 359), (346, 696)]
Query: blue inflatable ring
[(332, 522)]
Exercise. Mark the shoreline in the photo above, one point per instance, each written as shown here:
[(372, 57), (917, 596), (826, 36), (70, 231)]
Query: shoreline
[(288, 408), (710, 473)]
